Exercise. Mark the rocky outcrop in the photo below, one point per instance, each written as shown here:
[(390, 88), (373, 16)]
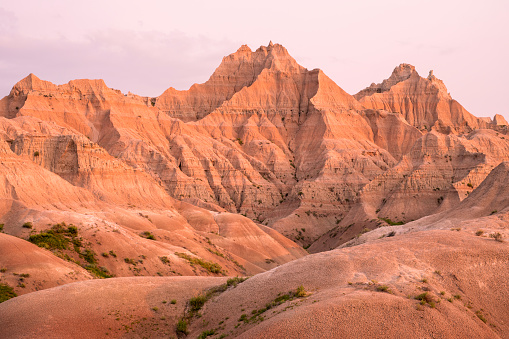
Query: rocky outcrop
[(263, 137), (423, 102)]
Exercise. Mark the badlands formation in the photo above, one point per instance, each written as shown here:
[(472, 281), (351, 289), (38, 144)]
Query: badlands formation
[(379, 214)]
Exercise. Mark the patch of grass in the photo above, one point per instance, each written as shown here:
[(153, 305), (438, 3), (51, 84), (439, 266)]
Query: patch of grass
[(300, 292), (6, 293), (235, 281), (209, 266), (480, 315), (383, 288), (129, 261), (197, 303), (426, 298), (206, 333), (497, 236), (392, 223), (182, 326), (57, 237), (28, 224), (173, 301), (89, 256), (148, 235), (99, 272)]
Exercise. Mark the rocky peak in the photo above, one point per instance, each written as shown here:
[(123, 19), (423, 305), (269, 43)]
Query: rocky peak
[(499, 120), (399, 74), (32, 83)]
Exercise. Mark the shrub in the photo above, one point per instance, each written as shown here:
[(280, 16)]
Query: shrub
[(383, 288), (497, 236), (300, 292), (480, 316), (426, 298), (1, 227), (6, 292), (209, 266), (206, 333), (28, 224), (173, 301), (99, 272), (148, 235), (479, 233), (235, 281), (182, 326), (36, 153), (197, 302), (392, 223)]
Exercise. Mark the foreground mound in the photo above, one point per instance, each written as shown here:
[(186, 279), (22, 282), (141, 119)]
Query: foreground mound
[(434, 284)]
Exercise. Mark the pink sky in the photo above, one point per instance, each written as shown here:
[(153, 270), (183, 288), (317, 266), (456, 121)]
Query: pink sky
[(146, 47)]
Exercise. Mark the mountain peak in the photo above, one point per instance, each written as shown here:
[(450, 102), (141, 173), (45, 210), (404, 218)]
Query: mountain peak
[(32, 83)]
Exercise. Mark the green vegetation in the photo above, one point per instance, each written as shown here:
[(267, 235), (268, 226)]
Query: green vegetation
[(383, 288), (206, 333), (426, 298), (256, 315), (479, 233), (148, 235), (497, 236), (240, 141), (197, 303), (392, 223), (59, 238), (470, 185), (480, 315), (182, 326), (6, 293), (28, 224), (209, 266), (235, 281), (173, 301), (129, 261), (1, 227), (36, 153), (164, 260)]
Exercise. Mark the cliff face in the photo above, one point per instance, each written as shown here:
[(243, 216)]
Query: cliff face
[(423, 102), (265, 138)]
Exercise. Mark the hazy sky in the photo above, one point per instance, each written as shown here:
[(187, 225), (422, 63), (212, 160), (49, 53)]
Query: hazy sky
[(147, 46)]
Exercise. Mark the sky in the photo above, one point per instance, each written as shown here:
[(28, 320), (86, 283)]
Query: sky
[(148, 46)]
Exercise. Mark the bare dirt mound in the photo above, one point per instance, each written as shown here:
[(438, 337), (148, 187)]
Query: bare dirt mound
[(138, 307), (434, 283)]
